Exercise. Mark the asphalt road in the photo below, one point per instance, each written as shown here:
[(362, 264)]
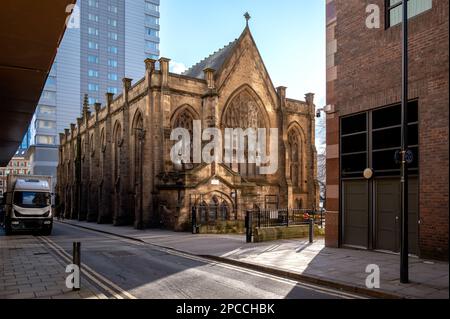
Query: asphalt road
[(147, 271), (144, 271)]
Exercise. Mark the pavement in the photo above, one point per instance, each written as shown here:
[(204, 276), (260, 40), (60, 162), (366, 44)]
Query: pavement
[(343, 269), (30, 270)]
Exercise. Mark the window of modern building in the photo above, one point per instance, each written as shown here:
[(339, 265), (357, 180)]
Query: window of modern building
[(45, 139), (151, 32), (113, 76), (151, 6), (371, 139), (45, 124), (151, 20), (112, 90), (113, 50), (45, 109), (149, 45), (51, 80), (113, 9), (112, 63), (92, 101), (93, 45), (93, 87), (49, 95), (93, 17), (92, 31), (151, 56), (112, 22), (394, 10), (93, 73), (93, 59), (113, 35), (93, 3)]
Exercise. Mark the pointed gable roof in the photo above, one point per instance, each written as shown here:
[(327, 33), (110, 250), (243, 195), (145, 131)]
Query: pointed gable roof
[(214, 61)]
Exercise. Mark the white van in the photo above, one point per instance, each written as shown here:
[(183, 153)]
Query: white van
[(28, 205)]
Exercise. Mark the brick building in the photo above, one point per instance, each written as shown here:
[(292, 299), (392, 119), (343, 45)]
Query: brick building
[(19, 164), (115, 163), (364, 93)]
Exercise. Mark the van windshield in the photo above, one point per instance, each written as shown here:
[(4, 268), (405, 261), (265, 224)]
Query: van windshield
[(31, 199)]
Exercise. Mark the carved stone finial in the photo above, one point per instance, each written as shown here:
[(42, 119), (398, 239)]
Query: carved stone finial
[(85, 104), (247, 17)]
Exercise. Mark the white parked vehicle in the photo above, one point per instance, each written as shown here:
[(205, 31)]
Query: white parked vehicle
[(28, 205)]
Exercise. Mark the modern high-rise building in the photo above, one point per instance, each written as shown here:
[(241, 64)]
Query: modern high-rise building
[(105, 41)]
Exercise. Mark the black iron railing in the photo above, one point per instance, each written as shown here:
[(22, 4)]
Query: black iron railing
[(265, 218)]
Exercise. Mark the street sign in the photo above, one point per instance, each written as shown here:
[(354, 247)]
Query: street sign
[(409, 157)]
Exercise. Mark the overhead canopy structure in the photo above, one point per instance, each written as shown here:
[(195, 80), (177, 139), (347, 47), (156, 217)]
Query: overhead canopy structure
[(30, 33)]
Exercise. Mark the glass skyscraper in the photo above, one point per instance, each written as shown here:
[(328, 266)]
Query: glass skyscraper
[(106, 40)]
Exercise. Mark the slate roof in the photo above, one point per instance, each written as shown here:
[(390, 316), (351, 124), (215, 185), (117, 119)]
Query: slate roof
[(214, 61)]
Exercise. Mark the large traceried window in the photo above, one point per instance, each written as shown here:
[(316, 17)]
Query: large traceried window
[(394, 10), (243, 112)]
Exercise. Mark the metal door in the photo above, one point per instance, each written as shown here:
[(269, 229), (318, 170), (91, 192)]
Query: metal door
[(355, 213), (388, 213)]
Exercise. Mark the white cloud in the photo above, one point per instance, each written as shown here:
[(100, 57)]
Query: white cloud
[(177, 67)]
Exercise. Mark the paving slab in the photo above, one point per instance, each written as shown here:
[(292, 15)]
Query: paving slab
[(28, 270)]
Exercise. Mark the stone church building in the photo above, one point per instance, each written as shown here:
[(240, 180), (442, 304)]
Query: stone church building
[(115, 164)]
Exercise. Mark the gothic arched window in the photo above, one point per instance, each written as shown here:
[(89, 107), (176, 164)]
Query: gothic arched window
[(117, 146), (224, 211), (243, 112), (185, 120), (295, 150), (102, 152), (138, 131)]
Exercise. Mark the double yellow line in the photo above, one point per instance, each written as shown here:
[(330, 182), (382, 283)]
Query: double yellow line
[(114, 290)]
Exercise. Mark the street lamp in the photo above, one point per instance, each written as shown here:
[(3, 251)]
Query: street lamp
[(404, 271)]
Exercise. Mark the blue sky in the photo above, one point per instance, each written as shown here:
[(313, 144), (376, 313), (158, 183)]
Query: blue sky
[(290, 35)]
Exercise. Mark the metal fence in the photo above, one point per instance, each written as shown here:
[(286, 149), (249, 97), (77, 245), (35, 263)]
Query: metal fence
[(265, 218)]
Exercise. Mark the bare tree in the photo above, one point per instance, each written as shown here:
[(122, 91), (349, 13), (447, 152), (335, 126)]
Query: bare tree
[(321, 156)]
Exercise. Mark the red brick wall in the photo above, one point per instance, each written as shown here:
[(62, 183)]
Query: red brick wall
[(369, 76)]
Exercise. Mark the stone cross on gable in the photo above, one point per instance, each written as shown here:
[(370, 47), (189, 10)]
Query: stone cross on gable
[(247, 17)]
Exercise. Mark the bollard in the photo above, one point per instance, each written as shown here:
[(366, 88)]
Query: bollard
[(248, 227), (194, 220), (311, 230), (77, 259)]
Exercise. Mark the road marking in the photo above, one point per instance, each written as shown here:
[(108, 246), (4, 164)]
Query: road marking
[(330, 291), (89, 272)]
